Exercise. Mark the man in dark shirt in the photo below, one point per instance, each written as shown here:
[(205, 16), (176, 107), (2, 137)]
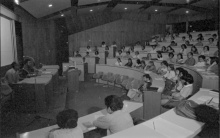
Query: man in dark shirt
[(190, 60)]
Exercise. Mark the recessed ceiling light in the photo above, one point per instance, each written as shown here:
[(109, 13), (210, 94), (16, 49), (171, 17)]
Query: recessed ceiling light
[(50, 5), (187, 11), (91, 10), (126, 8), (17, 2), (156, 10), (62, 15)]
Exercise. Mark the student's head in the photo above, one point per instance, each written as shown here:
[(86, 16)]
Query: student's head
[(183, 72), (96, 52), (87, 53), (190, 55), (143, 64), (138, 61), (106, 48), (179, 56), (183, 38), (142, 47), (128, 53), (169, 48), (211, 40), (164, 64), (206, 48), (138, 43), (214, 36), (183, 46), (214, 59), (129, 60), (147, 77), (119, 51), (201, 58), (190, 37), (151, 63), (173, 43), (136, 53), (15, 66), (200, 36), (171, 55), (28, 62), (178, 70), (132, 48), (118, 59), (153, 46), (163, 48), (103, 43), (199, 39), (187, 42), (171, 67), (187, 79), (67, 119), (88, 47), (159, 55), (113, 103), (194, 49), (149, 55)]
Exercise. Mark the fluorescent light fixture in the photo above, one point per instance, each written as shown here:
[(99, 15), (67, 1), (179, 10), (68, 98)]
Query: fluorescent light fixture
[(91, 10), (62, 15), (187, 11), (156, 10), (126, 8), (16, 2), (50, 5)]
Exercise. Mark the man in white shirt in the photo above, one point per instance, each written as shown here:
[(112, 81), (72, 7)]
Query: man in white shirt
[(184, 93), (201, 62), (154, 50), (116, 120)]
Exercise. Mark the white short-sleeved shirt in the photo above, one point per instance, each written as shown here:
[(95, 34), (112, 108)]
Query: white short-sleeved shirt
[(186, 90), (118, 63), (67, 133)]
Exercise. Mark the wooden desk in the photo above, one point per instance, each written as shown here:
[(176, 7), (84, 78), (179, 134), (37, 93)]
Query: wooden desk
[(43, 133), (168, 124), (40, 88)]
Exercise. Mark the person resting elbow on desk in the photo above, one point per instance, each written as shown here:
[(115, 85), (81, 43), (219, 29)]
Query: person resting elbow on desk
[(184, 93), (116, 120), (67, 122), (163, 69), (28, 69)]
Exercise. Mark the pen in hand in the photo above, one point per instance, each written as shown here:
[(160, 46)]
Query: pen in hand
[(210, 100)]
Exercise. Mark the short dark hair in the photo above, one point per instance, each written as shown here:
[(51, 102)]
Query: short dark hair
[(103, 42), (181, 55), (188, 78), (138, 61), (67, 118), (114, 102), (214, 59), (191, 53), (214, 35), (202, 56), (184, 45), (147, 76), (184, 37), (211, 39), (199, 39), (26, 61), (190, 35), (159, 53), (171, 54), (171, 66), (13, 64), (128, 52), (165, 63), (87, 53), (96, 52), (207, 47)]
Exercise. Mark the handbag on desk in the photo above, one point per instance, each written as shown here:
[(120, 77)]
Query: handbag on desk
[(186, 109)]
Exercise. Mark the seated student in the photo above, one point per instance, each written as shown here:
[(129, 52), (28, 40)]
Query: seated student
[(170, 73), (217, 51), (183, 39), (171, 58), (129, 63), (179, 73), (199, 42), (123, 49), (138, 64), (214, 36), (194, 50), (148, 56), (88, 49), (201, 37), (67, 122), (183, 49), (163, 49), (114, 44), (190, 60), (103, 44), (127, 55), (136, 56), (142, 48), (97, 54), (190, 38), (159, 56), (143, 64), (162, 70), (77, 54), (187, 43), (87, 54), (214, 65), (116, 120), (12, 75), (118, 62), (173, 43), (28, 69), (131, 49), (150, 67), (185, 92), (170, 49), (138, 43), (153, 50), (119, 54), (211, 42), (179, 59), (201, 61), (205, 51)]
